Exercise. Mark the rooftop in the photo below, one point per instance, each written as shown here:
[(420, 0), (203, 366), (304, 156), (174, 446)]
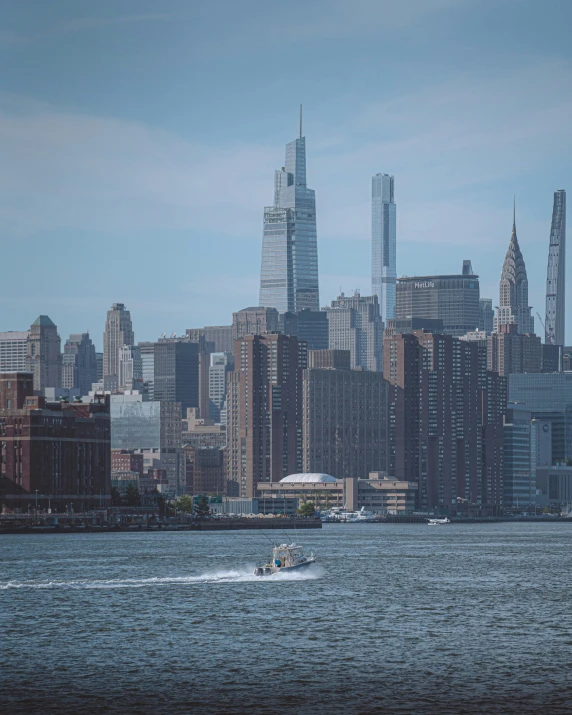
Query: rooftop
[(308, 478)]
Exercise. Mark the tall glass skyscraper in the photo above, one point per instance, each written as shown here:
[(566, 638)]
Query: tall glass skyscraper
[(383, 244), (289, 271), (556, 273)]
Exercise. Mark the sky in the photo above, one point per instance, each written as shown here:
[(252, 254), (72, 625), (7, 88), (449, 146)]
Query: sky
[(138, 143)]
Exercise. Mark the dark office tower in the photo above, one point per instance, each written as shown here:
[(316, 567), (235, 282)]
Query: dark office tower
[(486, 315), (264, 410), (118, 332), (147, 351), (383, 244), (289, 270), (454, 299), (176, 372), (313, 328), (79, 365), (99, 364), (556, 274), (44, 358), (513, 289), (509, 352), (355, 324), (254, 321), (288, 324)]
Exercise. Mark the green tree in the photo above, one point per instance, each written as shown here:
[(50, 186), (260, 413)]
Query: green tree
[(115, 497), (184, 503), (307, 509), (202, 508), (132, 496)]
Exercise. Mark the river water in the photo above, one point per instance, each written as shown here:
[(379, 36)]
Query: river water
[(396, 619)]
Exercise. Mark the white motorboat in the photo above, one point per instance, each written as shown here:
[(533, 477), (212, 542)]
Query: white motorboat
[(286, 557), (438, 522)]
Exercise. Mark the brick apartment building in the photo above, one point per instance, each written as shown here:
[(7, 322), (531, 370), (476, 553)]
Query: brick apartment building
[(57, 451)]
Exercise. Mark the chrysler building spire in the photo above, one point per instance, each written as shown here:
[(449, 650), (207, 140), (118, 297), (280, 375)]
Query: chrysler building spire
[(513, 288)]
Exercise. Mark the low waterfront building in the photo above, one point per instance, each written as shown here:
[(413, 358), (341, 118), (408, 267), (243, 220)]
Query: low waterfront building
[(379, 493)]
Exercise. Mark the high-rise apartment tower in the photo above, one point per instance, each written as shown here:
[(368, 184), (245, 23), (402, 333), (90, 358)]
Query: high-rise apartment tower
[(289, 270), (383, 244), (556, 274)]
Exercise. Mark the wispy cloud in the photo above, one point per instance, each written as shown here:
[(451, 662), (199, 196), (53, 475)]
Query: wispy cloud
[(11, 37)]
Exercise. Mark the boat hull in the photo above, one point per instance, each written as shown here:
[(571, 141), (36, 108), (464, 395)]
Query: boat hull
[(270, 570)]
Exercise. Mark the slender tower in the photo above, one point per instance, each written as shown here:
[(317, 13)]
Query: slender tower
[(556, 274), (513, 288), (289, 270), (383, 244), (118, 332)]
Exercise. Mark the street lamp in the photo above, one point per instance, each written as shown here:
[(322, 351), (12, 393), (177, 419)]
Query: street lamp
[(36, 502)]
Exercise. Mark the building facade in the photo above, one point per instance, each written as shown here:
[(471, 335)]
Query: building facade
[(510, 352), (152, 428), (44, 354), (79, 366), (549, 396), (205, 470), (454, 299), (53, 455), (486, 315), (289, 269), (13, 350), (555, 323), (176, 372), (344, 430), (383, 244), (264, 410), (355, 324), (445, 420), (254, 321), (118, 332), (220, 365)]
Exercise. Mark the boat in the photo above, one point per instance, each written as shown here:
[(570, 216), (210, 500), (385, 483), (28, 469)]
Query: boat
[(286, 557), (438, 522)]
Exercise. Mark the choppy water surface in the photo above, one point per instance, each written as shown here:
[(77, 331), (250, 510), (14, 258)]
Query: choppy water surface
[(396, 619)]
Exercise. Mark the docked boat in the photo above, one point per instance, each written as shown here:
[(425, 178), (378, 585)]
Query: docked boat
[(438, 522), (285, 557)]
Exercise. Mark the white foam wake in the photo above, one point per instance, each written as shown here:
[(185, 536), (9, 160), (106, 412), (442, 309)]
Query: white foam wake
[(243, 576)]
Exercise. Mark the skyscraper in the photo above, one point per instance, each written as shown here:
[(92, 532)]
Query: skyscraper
[(513, 289), (118, 332), (454, 299), (79, 366), (556, 273), (355, 324), (289, 269), (44, 357), (486, 315), (383, 244)]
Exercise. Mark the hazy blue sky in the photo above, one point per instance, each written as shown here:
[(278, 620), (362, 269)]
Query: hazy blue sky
[(139, 140)]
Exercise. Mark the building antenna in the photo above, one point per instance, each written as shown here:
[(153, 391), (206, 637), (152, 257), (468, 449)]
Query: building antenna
[(514, 210), (300, 131)]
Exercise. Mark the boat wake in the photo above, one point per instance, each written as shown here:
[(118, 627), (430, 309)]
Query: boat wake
[(236, 576)]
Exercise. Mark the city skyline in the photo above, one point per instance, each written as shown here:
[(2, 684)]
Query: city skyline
[(113, 159)]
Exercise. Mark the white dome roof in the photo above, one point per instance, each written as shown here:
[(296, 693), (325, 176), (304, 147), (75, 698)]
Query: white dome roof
[(307, 478)]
